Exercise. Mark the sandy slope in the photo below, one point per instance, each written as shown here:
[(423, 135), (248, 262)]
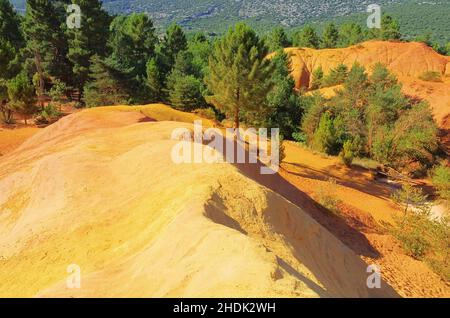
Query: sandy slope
[(98, 189), (407, 60), (10, 139)]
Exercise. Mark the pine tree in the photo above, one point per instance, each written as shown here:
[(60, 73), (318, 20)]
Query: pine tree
[(184, 88), (307, 37), (330, 37), (277, 39), (239, 73), (154, 80), (105, 88), (88, 40), (337, 76), (390, 29), (11, 41), (10, 25), (324, 137), (317, 77), (350, 34), (47, 45), (173, 43), (385, 103), (447, 48), (21, 95), (133, 41), (185, 93), (414, 139), (311, 119), (284, 104), (200, 48)]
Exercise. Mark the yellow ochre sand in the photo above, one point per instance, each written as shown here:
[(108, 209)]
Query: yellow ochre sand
[(98, 189)]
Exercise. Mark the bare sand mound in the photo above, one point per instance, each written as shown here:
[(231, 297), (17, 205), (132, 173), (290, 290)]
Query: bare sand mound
[(98, 189), (407, 60)]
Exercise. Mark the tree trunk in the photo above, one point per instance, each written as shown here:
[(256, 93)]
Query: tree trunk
[(41, 89), (238, 108), (370, 141)]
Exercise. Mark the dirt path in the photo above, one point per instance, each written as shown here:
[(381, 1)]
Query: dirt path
[(365, 207)]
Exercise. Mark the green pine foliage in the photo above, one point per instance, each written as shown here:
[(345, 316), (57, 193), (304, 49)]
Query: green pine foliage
[(46, 43), (330, 37), (105, 86), (174, 42), (350, 34), (285, 104), (238, 74), (306, 37), (22, 97), (440, 176), (88, 40), (371, 117), (277, 39), (336, 76), (11, 42), (183, 85)]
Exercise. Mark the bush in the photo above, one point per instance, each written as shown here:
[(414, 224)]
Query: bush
[(185, 93), (317, 77), (337, 76), (48, 115), (422, 236), (324, 139), (347, 154), (300, 137), (79, 105), (431, 76), (58, 91), (441, 181), (414, 243), (425, 239)]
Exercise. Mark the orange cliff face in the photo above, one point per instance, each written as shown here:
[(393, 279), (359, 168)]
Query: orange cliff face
[(408, 61)]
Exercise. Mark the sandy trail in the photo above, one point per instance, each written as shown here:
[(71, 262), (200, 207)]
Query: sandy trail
[(365, 207)]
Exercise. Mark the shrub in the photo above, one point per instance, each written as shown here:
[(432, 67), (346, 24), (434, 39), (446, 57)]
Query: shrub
[(425, 239), (317, 77), (431, 76), (58, 91), (22, 97), (79, 105), (48, 115), (324, 139), (347, 154), (441, 181), (422, 237), (337, 76), (413, 241), (410, 198), (300, 137), (186, 93)]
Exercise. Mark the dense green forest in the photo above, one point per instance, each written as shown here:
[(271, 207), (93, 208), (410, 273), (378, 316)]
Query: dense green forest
[(122, 59), (417, 18)]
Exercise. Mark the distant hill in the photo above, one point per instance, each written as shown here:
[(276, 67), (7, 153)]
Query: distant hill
[(417, 17)]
